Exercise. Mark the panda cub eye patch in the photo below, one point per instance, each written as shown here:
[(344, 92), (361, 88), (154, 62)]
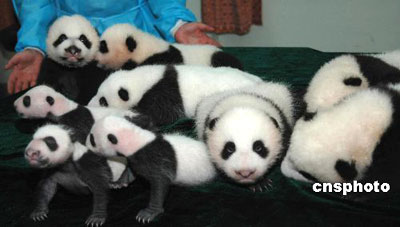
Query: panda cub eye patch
[(50, 100), (260, 149), (103, 102), (85, 41), (228, 150), (51, 143), (353, 81), (103, 47), (59, 40), (123, 94), (211, 125), (130, 43), (112, 139)]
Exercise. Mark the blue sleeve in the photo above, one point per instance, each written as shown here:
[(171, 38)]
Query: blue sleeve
[(35, 17), (167, 13)]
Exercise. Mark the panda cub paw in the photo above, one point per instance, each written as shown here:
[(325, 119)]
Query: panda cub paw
[(263, 185), (96, 220), (148, 214), (39, 214)]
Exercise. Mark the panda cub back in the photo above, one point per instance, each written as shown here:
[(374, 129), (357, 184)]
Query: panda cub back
[(354, 140), (347, 74), (246, 129)]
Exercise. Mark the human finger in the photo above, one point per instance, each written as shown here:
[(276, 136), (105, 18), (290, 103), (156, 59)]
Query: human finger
[(11, 82), (13, 61)]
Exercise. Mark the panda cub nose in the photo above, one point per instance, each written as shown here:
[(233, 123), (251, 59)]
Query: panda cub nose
[(32, 153), (73, 50), (26, 101), (245, 173)]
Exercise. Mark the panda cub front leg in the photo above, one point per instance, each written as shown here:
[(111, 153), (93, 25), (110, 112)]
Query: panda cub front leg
[(158, 191), (263, 184), (45, 191)]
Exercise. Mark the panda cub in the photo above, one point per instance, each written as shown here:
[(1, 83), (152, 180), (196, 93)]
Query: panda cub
[(347, 74), (166, 93), (160, 159), (124, 46), (71, 165), (247, 130), (72, 43), (357, 139), (44, 102)]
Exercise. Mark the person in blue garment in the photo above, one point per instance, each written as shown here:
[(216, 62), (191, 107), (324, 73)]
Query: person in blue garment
[(168, 19)]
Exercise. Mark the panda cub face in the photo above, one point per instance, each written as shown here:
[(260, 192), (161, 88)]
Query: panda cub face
[(72, 41), (51, 146), (41, 101), (334, 81), (117, 136), (117, 46), (244, 143)]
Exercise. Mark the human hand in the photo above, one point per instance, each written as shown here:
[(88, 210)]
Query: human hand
[(25, 66), (195, 33)]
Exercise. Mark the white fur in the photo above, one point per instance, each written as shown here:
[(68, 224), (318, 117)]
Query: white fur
[(73, 27), (327, 87), (242, 120), (118, 166), (195, 83), (193, 164), (146, 46), (79, 151), (348, 131)]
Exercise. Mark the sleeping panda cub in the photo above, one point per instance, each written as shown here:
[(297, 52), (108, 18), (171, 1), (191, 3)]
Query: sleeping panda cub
[(124, 46), (347, 74), (247, 131), (72, 43), (44, 102), (357, 139), (72, 166), (160, 159), (166, 93)]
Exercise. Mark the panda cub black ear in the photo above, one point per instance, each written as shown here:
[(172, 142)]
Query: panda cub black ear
[(103, 47), (130, 43), (353, 81), (211, 124), (123, 94), (142, 121)]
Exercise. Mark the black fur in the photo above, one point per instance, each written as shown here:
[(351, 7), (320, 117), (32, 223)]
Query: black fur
[(163, 102), (228, 150), (123, 94), (346, 170), (211, 125), (59, 40), (260, 149), (221, 58), (78, 84), (377, 71), (172, 56), (89, 174), (103, 48), (275, 122), (80, 120), (130, 44), (129, 65), (156, 162), (85, 41), (103, 102), (50, 100), (353, 81), (308, 116), (26, 101), (308, 176), (51, 143), (92, 142)]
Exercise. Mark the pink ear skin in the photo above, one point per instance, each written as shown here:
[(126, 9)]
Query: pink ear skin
[(129, 142), (62, 105)]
